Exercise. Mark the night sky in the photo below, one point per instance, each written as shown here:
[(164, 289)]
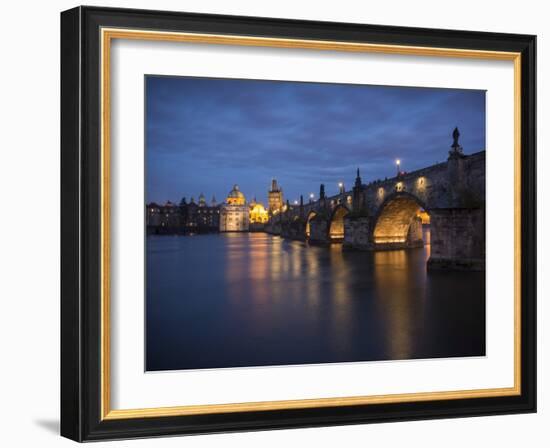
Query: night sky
[(204, 135)]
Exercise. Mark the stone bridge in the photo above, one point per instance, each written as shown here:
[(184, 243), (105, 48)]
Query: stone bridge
[(388, 214)]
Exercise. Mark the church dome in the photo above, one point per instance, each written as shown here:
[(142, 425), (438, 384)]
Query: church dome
[(235, 196), (235, 193)]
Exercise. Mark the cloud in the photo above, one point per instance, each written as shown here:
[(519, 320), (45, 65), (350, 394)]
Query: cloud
[(204, 135)]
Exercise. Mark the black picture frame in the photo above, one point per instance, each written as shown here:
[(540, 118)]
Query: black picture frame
[(81, 224)]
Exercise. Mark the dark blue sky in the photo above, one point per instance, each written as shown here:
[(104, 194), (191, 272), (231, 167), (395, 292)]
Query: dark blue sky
[(204, 135)]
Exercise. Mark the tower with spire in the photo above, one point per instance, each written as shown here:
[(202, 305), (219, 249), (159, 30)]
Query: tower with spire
[(275, 197), (358, 181), (358, 202), (322, 196)]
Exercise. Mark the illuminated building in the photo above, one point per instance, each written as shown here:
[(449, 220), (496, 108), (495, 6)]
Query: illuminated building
[(258, 213), (275, 197), (234, 213)]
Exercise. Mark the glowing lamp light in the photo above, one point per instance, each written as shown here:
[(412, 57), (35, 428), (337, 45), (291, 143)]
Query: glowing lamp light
[(295, 202), (311, 196), (398, 164)]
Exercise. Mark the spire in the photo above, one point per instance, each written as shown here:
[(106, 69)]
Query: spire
[(301, 200), (358, 181), (202, 200), (322, 191), (213, 201)]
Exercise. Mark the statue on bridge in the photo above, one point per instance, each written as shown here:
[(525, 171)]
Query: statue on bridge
[(457, 149)]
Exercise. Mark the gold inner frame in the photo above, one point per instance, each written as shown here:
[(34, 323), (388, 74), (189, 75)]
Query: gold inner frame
[(107, 35)]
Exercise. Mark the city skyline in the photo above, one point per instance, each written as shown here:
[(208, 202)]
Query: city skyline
[(302, 134)]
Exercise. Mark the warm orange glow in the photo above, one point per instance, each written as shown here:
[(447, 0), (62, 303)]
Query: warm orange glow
[(235, 201), (258, 213), (389, 239), (421, 183), (394, 221), (336, 231), (423, 215), (308, 226), (235, 197)]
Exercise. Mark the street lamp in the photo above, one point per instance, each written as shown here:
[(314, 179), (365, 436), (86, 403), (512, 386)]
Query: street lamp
[(295, 202), (398, 163), (311, 197), (341, 187)]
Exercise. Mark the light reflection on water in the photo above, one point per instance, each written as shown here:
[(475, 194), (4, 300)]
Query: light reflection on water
[(228, 300)]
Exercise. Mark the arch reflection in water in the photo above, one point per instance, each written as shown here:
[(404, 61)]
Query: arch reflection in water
[(253, 299)]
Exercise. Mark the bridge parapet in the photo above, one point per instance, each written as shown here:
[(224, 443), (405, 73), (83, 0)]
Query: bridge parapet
[(432, 186)]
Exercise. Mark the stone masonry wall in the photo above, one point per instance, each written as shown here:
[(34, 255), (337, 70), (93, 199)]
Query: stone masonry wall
[(414, 237), (318, 228), (357, 233), (457, 238)]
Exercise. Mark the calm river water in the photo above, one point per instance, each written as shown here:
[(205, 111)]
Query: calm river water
[(252, 299)]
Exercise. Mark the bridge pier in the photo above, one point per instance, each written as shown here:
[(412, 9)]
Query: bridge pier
[(357, 233), (319, 230), (457, 239), (273, 227), (293, 230)]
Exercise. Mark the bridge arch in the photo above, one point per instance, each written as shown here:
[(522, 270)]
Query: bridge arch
[(312, 214), (336, 223), (398, 221)]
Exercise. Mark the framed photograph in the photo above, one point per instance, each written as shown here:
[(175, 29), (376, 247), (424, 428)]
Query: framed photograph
[(274, 224)]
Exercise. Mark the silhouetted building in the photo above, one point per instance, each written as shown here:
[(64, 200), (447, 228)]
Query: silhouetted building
[(207, 216), (163, 218)]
